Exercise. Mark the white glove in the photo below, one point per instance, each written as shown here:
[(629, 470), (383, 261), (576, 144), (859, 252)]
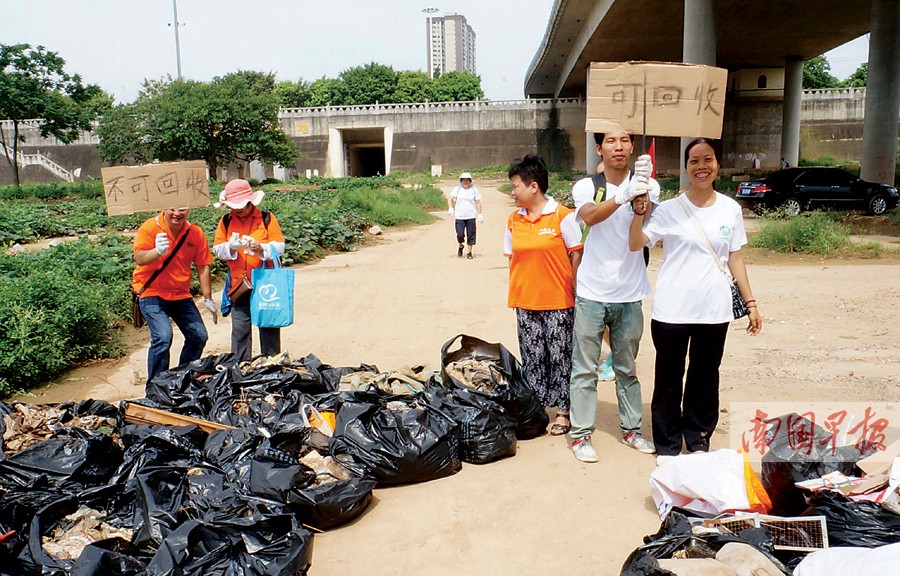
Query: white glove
[(643, 166), (234, 243), (640, 185), (627, 192), (481, 218), (450, 211), (162, 243), (211, 306)]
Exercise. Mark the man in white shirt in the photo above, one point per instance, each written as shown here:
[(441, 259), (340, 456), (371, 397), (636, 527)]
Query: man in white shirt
[(611, 282)]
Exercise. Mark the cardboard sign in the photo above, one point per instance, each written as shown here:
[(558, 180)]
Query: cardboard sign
[(151, 187), (681, 99)]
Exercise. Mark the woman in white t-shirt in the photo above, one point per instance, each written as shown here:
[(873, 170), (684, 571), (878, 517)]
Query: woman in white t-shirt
[(692, 301), (465, 204)]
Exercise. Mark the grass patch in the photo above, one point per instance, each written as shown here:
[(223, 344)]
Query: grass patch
[(812, 233)]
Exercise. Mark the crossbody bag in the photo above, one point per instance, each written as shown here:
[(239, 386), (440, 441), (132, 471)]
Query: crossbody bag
[(738, 306)]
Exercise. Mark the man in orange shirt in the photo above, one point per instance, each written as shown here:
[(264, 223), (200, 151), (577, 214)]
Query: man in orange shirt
[(164, 248)]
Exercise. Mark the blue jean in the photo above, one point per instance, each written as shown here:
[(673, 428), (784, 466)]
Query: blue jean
[(184, 313), (626, 325)]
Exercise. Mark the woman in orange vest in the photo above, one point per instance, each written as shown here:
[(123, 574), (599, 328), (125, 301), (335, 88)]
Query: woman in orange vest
[(541, 236), (246, 238)]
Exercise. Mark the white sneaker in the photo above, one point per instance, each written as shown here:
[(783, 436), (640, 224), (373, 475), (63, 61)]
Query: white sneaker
[(639, 443), (584, 450)]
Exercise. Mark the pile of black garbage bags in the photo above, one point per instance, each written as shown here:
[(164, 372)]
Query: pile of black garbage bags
[(242, 500)]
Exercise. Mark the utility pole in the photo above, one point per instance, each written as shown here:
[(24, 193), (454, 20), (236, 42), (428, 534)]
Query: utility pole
[(177, 43)]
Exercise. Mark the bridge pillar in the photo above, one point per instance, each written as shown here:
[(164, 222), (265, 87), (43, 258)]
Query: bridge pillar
[(591, 157), (698, 46), (790, 115), (879, 147)]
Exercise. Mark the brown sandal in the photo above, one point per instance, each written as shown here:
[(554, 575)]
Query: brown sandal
[(559, 429)]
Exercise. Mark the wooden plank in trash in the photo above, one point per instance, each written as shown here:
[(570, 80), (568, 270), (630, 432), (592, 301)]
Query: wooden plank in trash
[(137, 414)]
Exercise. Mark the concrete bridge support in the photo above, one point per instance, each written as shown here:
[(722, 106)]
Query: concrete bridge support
[(790, 115), (698, 47), (879, 150)]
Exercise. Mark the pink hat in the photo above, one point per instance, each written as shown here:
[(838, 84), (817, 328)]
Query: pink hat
[(237, 194)]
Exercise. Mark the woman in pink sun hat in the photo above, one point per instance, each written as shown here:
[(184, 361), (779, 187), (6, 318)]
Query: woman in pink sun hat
[(246, 238)]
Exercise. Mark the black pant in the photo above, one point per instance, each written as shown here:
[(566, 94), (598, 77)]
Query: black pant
[(242, 333), (465, 229), (689, 411)]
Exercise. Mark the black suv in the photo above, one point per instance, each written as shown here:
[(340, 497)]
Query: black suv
[(795, 189)]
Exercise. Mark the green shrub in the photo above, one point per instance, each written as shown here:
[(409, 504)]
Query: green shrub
[(60, 306), (811, 233)]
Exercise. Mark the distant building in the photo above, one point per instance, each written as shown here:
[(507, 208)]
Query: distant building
[(451, 44)]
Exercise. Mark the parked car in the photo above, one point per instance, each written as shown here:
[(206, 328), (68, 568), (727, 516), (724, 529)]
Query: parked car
[(796, 189)]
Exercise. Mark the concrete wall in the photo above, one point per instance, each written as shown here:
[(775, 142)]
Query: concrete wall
[(466, 135)]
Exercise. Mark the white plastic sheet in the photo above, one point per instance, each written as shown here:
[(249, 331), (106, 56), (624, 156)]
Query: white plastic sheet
[(708, 482)]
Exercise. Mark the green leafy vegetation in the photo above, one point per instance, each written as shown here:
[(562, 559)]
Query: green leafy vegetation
[(375, 82), (811, 233)]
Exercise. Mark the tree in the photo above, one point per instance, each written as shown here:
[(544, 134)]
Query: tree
[(456, 87), (221, 121), (859, 78), (369, 84), (259, 82), (292, 94), (34, 85), (327, 91), (817, 74), (412, 86)]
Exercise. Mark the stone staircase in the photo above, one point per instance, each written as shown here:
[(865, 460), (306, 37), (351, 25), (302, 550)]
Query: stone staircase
[(38, 159)]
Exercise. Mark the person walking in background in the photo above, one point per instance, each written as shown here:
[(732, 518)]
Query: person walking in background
[(465, 205), (541, 235), (246, 238), (610, 283), (692, 307), (165, 246)]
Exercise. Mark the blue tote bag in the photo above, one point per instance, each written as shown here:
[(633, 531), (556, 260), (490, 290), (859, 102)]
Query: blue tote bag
[(272, 298)]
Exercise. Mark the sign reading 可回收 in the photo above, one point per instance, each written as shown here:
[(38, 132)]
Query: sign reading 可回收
[(677, 99), (130, 189)]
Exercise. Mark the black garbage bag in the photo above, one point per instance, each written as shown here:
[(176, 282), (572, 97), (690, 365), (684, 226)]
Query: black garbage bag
[(322, 500), (70, 461), (249, 547), (513, 392), (398, 439), (159, 445), (189, 389), (786, 462), (160, 494), (111, 557), (232, 451), (675, 535), (487, 431), (33, 559), (331, 376), (862, 524)]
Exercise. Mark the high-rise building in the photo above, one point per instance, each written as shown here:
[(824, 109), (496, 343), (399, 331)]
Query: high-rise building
[(451, 44)]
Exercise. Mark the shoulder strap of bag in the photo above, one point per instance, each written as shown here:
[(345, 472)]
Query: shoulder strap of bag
[(599, 182), (703, 235), (166, 263), (266, 218)]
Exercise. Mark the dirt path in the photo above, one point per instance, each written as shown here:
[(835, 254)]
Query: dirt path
[(832, 332)]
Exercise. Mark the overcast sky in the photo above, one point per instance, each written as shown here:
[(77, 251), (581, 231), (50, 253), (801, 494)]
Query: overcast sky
[(119, 43)]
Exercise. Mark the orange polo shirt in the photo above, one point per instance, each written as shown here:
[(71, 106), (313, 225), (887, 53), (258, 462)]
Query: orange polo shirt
[(253, 226), (540, 271), (173, 283)]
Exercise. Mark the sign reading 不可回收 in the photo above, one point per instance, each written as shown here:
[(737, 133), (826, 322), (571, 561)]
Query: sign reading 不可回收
[(130, 189), (675, 99)]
